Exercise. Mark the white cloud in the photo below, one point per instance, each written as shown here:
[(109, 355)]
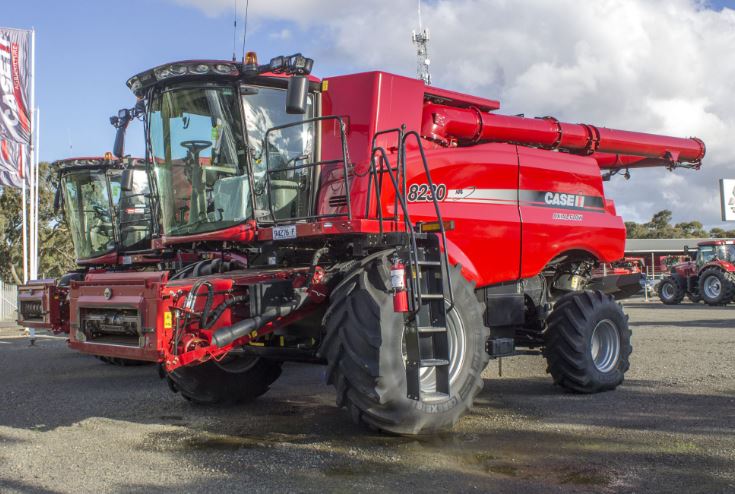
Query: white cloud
[(659, 66)]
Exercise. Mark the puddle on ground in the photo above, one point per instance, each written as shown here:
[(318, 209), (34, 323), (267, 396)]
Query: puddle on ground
[(200, 441), (361, 468)]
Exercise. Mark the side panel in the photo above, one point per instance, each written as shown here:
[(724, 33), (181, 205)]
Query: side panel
[(562, 208), (368, 102), (135, 294), (478, 188)]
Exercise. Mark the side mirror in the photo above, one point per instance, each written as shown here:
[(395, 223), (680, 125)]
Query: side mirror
[(57, 199), (120, 122), (297, 95), (126, 180)]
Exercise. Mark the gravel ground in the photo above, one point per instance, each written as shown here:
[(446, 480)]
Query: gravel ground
[(69, 423)]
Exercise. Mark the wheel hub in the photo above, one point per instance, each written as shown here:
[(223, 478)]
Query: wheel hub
[(712, 287), (457, 349), (667, 291), (605, 347)]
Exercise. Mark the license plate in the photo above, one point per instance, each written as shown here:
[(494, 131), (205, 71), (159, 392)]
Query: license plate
[(284, 232)]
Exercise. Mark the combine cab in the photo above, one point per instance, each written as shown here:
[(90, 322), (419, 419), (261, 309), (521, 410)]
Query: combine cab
[(357, 222), (709, 277)]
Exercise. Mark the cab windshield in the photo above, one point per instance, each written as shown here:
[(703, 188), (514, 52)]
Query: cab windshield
[(199, 159), (709, 253), (87, 201)]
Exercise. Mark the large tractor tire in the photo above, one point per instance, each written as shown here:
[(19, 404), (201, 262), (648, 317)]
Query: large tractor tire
[(234, 380), (670, 291), (587, 342), (717, 287), (364, 348)]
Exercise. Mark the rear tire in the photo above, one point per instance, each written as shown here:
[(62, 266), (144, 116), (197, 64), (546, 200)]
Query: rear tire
[(236, 380), (366, 363), (587, 342), (717, 287), (670, 291)]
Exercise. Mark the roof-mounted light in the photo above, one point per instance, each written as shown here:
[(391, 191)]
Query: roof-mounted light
[(164, 72), (292, 65)]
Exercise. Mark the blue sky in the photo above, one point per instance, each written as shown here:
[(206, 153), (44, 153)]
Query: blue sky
[(87, 49), (662, 66)]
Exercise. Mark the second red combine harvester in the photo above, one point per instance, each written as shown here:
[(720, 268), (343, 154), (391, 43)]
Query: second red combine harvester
[(369, 212)]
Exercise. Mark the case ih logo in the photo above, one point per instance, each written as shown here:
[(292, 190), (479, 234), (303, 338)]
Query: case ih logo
[(557, 199)]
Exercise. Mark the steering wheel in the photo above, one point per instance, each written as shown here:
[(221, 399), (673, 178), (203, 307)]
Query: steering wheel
[(195, 146)]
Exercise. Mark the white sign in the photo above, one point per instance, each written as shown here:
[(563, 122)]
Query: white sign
[(284, 232), (727, 197)]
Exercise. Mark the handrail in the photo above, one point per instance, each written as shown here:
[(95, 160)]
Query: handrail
[(432, 191), (345, 170)]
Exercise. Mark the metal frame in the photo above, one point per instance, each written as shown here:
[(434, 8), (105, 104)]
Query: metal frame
[(315, 165)]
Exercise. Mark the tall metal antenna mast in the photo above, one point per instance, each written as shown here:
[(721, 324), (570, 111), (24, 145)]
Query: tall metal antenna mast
[(234, 36), (245, 28), (421, 40)]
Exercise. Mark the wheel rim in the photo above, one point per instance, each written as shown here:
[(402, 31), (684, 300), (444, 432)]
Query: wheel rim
[(712, 287), (457, 349), (605, 347), (237, 365), (667, 291)]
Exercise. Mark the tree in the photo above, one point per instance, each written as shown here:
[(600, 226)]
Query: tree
[(660, 227), (55, 249)]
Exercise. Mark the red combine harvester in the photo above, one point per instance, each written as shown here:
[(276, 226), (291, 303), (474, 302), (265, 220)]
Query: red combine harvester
[(91, 187), (369, 212), (110, 227), (710, 276)]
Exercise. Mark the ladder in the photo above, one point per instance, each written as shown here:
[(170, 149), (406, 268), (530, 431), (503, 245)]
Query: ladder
[(427, 352)]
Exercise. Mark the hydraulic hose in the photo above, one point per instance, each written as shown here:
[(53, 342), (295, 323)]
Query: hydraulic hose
[(224, 336)]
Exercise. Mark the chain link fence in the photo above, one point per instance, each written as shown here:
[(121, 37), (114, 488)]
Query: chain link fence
[(8, 302)]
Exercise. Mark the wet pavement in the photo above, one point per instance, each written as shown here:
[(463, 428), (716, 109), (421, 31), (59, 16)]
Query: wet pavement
[(70, 423)]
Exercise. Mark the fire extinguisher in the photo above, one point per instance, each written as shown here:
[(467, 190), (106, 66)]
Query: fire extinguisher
[(398, 283)]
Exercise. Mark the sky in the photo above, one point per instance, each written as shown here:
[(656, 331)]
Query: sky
[(662, 66)]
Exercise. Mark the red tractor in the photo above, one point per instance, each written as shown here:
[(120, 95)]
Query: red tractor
[(710, 276), (367, 213)]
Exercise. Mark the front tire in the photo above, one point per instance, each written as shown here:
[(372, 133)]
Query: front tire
[(364, 349), (717, 287), (670, 291), (587, 342), (235, 380)]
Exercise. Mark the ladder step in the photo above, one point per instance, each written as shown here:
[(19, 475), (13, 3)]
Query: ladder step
[(429, 263), (431, 329), (433, 362), (432, 296)]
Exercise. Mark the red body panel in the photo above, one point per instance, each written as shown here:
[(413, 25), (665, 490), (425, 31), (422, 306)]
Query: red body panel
[(46, 306), (134, 291), (484, 183)]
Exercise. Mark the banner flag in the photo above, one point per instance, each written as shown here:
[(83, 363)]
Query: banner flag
[(13, 162), (15, 117)]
